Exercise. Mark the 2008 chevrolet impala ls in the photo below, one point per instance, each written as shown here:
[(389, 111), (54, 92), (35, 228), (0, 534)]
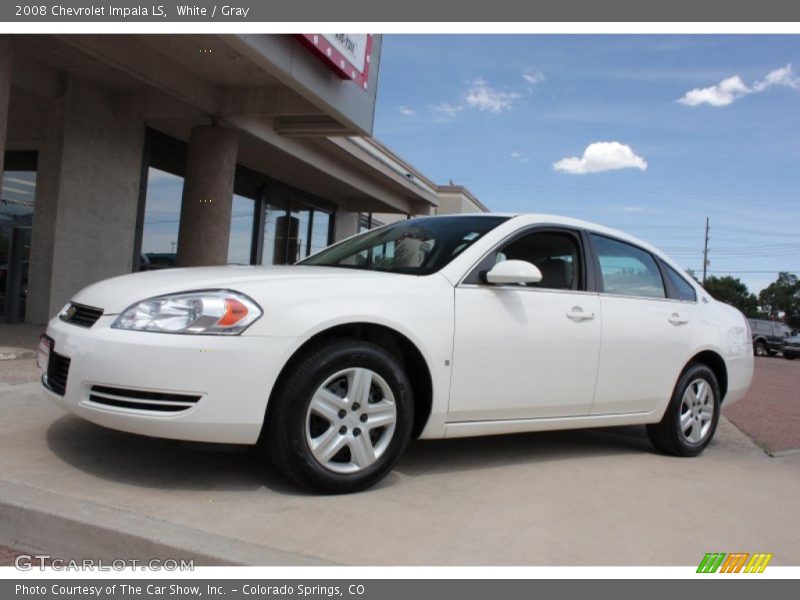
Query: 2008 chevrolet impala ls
[(433, 327)]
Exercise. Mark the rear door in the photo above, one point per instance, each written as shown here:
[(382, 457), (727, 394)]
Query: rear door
[(644, 332)]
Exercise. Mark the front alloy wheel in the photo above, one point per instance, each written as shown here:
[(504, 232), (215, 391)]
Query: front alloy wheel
[(350, 420), (341, 418)]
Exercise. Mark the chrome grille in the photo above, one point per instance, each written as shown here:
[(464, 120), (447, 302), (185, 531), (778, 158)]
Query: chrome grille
[(81, 315)]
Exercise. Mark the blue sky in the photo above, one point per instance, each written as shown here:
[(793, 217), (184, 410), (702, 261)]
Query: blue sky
[(703, 125)]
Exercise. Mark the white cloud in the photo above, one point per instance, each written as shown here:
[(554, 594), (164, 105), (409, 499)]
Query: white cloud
[(532, 77), (518, 156), (602, 156), (404, 110), (482, 96), (479, 95), (722, 94), (783, 76), (447, 110), (731, 89)]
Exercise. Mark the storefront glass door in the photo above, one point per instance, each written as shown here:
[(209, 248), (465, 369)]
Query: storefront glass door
[(17, 198)]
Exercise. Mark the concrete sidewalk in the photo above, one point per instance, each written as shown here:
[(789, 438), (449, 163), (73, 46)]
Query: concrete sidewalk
[(568, 498)]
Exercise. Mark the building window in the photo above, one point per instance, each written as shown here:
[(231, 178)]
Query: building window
[(293, 234), (320, 231), (240, 243), (162, 217), (165, 164), (17, 198), (271, 223)]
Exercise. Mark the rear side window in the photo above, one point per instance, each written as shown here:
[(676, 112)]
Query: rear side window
[(682, 287), (627, 270)]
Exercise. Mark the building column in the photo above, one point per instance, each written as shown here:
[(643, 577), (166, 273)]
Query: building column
[(5, 94), (207, 197), (346, 224), (87, 196)]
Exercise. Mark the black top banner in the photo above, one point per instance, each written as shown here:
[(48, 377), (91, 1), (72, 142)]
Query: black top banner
[(464, 11)]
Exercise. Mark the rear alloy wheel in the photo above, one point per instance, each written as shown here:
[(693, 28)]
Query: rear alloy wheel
[(342, 418), (760, 349), (691, 418)]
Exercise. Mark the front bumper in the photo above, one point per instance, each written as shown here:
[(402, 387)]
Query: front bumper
[(231, 377)]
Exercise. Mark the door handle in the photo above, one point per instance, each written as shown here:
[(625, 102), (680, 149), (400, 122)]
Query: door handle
[(677, 319), (577, 314)]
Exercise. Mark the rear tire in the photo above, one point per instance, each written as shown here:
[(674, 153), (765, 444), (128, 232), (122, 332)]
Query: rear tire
[(760, 349), (789, 356), (341, 419), (691, 418)]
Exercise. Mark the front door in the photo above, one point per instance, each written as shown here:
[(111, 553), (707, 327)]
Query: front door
[(530, 351)]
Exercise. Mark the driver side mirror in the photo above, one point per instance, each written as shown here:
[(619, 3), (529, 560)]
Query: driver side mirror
[(514, 271)]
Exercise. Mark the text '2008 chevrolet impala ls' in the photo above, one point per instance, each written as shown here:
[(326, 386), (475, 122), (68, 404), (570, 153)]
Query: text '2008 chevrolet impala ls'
[(433, 327)]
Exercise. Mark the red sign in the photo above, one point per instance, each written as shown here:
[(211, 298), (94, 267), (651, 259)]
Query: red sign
[(346, 54)]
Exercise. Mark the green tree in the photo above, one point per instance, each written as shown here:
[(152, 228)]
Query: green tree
[(781, 298), (733, 291)]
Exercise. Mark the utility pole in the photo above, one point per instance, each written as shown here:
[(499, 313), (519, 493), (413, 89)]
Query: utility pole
[(705, 255)]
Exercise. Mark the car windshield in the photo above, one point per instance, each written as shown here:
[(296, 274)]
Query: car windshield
[(415, 247)]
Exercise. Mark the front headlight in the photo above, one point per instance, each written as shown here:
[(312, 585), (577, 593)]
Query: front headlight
[(218, 312)]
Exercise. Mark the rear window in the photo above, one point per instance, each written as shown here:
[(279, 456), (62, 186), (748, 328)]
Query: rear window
[(682, 287), (627, 270)]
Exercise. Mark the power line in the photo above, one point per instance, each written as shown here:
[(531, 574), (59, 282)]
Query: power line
[(776, 271), (705, 254)]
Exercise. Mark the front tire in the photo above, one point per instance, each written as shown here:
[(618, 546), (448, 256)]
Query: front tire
[(691, 418), (342, 418)]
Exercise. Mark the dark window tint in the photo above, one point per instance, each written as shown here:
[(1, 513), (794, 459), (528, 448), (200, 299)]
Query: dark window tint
[(556, 254), (683, 288), (627, 270)]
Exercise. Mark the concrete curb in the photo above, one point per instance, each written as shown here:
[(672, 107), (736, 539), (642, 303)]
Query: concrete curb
[(37, 521)]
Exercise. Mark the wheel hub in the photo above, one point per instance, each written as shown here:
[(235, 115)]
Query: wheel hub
[(697, 411), (351, 420)]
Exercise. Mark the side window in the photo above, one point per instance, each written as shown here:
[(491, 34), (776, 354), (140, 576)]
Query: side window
[(556, 254), (627, 270), (682, 287)]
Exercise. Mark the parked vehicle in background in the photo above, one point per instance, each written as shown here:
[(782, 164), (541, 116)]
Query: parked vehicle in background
[(768, 336), (791, 347), (434, 327)]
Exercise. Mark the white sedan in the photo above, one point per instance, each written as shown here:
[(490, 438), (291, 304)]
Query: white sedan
[(434, 327)]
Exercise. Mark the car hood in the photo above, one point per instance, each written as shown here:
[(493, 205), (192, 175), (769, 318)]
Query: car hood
[(118, 293)]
